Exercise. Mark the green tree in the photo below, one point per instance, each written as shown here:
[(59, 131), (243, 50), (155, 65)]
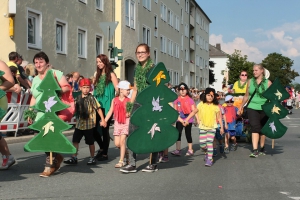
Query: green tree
[(280, 67), (211, 78), (237, 63), (50, 126), (296, 86)]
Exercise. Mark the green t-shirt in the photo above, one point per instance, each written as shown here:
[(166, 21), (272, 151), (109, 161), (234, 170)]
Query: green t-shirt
[(257, 101)]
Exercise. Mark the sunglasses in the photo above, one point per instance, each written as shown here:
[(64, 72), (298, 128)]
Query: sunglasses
[(228, 101), (243, 74), (182, 89)]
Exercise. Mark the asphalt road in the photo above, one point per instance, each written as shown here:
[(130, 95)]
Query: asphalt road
[(233, 176)]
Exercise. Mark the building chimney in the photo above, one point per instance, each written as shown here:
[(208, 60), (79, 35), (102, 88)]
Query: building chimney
[(218, 46)]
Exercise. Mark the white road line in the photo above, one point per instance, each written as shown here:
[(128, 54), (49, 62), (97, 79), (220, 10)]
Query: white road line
[(295, 198), (288, 117)]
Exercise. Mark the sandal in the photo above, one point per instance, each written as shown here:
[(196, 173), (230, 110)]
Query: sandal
[(119, 164), (71, 161), (189, 153)]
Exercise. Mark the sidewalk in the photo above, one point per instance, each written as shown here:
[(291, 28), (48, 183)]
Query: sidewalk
[(26, 138)]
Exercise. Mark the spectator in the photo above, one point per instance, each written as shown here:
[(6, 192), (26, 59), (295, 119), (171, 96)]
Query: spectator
[(14, 71), (75, 81), (30, 71)]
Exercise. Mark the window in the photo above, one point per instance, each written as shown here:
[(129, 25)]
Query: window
[(186, 55), (130, 13), (171, 76), (201, 42), (99, 45), (176, 51), (156, 1), (182, 42), (197, 39), (82, 1), (197, 17), (81, 43), (169, 47), (181, 12), (147, 4), (170, 17), (187, 6), (61, 37), (155, 25), (163, 44), (197, 61), (147, 35), (178, 1), (177, 25), (186, 30), (155, 57), (34, 29), (99, 5), (163, 12)]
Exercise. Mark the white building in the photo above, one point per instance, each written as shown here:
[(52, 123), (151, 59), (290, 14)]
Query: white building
[(220, 69)]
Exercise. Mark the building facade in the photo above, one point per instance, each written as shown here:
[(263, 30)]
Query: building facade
[(177, 32), (220, 69)]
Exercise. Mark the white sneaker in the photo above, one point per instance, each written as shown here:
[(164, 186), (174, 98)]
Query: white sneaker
[(7, 162)]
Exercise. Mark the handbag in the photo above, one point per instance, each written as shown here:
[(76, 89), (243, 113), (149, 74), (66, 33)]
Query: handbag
[(245, 113), (67, 98)]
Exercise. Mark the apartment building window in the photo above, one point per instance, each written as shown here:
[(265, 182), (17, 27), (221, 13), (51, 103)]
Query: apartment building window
[(163, 12), (155, 56), (170, 17), (82, 1), (187, 6), (82, 43), (171, 76), (197, 39), (34, 29), (186, 55), (197, 17), (61, 37), (155, 25), (201, 42), (169, 47), (147, 4), (156, 1), (99, 45), (176, 51), (177, 23), (181, 42), (99, 5), (163, 44), (197, 60), (181, 14), (147, 35), (130, 13), (186, 30)]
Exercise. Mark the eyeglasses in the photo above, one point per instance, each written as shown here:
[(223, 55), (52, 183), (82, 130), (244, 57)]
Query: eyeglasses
[(140, 52), (243, 74), (182, 89), (228, 101)]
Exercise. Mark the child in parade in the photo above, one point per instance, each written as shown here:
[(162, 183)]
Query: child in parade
[(121, 125), (207, 117), (231, 113), (186, 108), (219, 137), (86, 106)]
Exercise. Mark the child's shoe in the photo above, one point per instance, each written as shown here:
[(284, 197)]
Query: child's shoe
[(233, 147), (215, 153), (209, 162), (128, 169), (189, 153), (176, 152), (71, 161), (150, 168), (226, 150), (119, 164), (165, 159)]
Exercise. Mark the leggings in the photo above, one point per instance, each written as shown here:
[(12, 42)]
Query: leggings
[(206, 139), (187, 130), (103, 141)]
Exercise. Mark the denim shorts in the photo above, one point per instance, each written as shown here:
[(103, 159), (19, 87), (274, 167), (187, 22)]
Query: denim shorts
[(218, 135), (231, 133)]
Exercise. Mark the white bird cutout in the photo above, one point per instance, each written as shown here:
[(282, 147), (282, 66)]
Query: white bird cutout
[(156, 106), (48, 127), (153, 129), (272, 126), (48, 104)]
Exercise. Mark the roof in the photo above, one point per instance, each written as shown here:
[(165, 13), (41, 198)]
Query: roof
[(215, 52), (202, 10)]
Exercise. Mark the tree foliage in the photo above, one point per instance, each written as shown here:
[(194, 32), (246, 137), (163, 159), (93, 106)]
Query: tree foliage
[(211, 77), (237, 63), (296, 86), (280, 67)]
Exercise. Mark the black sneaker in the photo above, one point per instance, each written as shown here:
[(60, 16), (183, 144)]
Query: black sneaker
[(128, 169), (254, 154), (71, 161), (98, 155), (150, 168), (233, 147), (262, 151), (102, 158), (92, 161)]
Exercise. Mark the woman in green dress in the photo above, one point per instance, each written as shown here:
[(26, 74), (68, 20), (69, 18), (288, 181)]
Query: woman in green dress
[(106, 84)]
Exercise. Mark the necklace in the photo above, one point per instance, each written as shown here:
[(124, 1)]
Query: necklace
[(99, 90), (140, 75), (241, 86), (257, 87)]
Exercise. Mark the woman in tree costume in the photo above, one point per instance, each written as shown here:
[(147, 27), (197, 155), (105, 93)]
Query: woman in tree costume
[(142, 71), (41, 62), (256, 115), (106, 83), (239, 88), (6, 84)]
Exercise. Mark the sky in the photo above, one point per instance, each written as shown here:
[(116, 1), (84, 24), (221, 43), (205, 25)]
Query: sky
[(256, 27)]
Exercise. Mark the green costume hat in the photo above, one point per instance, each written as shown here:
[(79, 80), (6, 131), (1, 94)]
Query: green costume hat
[(155, 117)]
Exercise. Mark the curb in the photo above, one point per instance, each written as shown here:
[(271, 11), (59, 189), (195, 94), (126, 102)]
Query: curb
[(13, 140)]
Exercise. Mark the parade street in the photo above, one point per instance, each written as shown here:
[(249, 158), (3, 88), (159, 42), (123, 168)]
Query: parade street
[(233, 176)]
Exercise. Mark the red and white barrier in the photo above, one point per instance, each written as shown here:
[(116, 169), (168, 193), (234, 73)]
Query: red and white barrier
[(14, 119)]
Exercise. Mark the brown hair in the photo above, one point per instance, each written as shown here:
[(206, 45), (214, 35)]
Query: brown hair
[(145, 46), (108, 69)]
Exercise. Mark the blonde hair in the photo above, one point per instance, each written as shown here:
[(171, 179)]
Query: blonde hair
[(30, 70), (260, 67)]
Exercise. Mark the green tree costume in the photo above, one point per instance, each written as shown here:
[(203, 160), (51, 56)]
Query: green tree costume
[(49, 125), (3, 99), (154, 118)]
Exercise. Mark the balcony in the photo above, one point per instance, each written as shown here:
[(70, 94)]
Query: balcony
[(192, 44), (192, 67), (192, 21)]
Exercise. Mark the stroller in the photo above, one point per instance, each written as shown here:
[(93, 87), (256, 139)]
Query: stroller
[(289, 105)]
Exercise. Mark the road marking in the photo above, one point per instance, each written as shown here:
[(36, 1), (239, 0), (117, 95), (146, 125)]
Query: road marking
[(295, 198), (288, 117)]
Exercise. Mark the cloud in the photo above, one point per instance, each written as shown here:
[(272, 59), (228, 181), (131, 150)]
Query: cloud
[(253, 53)]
